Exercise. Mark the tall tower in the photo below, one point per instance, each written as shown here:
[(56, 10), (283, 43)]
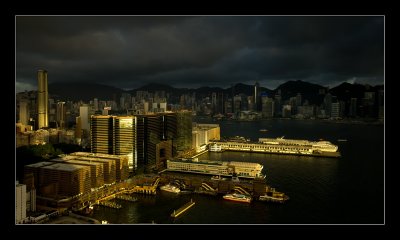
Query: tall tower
[(43, 99), (61, 114)]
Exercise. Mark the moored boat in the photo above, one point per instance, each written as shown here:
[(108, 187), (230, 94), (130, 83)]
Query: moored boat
[(273, 196), (170, 188), (236, 197)]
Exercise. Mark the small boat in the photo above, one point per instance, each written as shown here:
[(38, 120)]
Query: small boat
[(263, 130), (280, 198), (273, 196), (236, 197), (170, 188), (342, 140)]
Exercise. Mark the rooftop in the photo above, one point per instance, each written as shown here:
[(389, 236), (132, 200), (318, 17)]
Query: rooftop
[(39, 164), (65, 167)]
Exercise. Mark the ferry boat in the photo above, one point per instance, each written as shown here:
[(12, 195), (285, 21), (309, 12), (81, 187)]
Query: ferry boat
[(236, 197), (170, 188)]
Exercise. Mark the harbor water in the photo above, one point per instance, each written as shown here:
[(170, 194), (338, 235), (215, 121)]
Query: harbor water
[(345, 190)]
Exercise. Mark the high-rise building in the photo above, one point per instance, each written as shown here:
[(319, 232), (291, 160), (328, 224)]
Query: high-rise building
[(96, 104), (182, 141), (267, 106), (43, 99), (125, 139), (155, 133), (102, 134), (114, 135), (61, 114), (20, 202), (84, 113), (328, 100), (23, 112), (353, 107), (214, 102), (335, 110)]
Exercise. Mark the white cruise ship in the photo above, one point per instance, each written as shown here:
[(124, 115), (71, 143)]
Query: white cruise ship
[(282, 146), (236, 197), (170, 188), (304, 145)]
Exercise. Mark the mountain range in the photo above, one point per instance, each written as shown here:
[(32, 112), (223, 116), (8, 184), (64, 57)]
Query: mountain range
[(314, 93)]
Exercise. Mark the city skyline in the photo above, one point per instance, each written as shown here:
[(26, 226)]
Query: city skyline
[(194, 51)]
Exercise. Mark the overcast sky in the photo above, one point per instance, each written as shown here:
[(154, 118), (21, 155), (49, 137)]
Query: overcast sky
[(194, 51)]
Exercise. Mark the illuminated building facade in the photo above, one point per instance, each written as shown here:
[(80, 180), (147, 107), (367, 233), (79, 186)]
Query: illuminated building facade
[(114, 135), (43, 99)]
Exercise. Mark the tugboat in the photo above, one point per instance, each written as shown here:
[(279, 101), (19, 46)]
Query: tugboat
[(274, 196)]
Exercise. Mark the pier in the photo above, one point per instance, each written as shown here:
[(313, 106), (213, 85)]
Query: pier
[(183, 209), (110, 204), (126, 197)]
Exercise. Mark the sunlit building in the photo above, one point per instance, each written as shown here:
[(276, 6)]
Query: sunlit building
[(203, 133), (118, 170), (114, 135), (125, 138), (102, 134), (42, 100)]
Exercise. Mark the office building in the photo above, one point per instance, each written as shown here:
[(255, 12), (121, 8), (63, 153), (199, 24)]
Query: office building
[(125, 138), (84, 113), (115, 135), (267, 107), (20, 202), (102, 134), (61, 114), (42, 100)]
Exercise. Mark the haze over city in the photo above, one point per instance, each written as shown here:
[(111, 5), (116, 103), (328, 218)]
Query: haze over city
[(194, 51)]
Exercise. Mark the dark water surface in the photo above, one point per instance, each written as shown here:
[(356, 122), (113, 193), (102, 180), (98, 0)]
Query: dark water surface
[(346, 190)]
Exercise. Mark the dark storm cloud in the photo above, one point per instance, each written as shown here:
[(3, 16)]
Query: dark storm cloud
[(128, 52)]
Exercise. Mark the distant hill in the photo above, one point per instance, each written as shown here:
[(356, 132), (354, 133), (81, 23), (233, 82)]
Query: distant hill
[(309, 91), (152, 87), (247, 89), (345, 91), (314, 93), (84, 91)]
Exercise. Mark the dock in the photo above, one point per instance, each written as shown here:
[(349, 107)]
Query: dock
[(110, 204), (183, 209), (126, 198)]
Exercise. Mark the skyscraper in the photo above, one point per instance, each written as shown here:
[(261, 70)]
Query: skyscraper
[(102, 134), (115, 135), (23, 112), (61, 114), (124, 140), (85, 116), (43, 98), (20, 202)]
